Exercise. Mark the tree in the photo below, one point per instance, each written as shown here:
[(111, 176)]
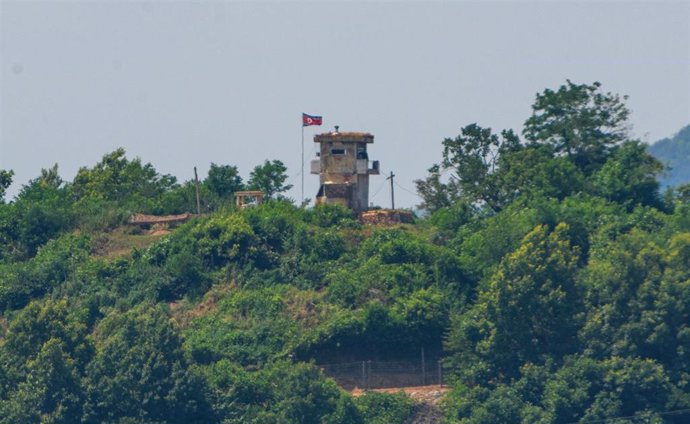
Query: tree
[(491, 170), (638, 299), (434, 193), (54, 263), (385, 408), (474, 157), (632, 386), (533, 170), (182, 198), (42, 210), (269, 178), (40, 322), (118, 179), (5, 182), (682, 193), (279, 392), (526, 313), (42, 356), (51, 393), (223, 180), (629, 176), (587, 390), (139, 372), (579, 121)]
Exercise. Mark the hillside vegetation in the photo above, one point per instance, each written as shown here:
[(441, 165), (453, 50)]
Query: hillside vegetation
[(550, 274)]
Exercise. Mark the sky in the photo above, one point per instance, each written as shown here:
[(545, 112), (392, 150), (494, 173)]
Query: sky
[(187, 83)]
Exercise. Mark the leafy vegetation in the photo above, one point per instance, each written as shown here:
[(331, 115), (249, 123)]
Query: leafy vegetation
[(550, 274)]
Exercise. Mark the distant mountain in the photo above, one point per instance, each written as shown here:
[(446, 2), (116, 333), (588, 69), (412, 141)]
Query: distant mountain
[(675, 154)]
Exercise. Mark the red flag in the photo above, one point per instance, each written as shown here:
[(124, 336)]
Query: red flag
[(308, 120)]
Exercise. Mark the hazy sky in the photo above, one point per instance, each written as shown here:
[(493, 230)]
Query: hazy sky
[(184, 83)]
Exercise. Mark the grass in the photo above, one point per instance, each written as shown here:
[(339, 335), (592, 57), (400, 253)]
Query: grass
[(123, 240)]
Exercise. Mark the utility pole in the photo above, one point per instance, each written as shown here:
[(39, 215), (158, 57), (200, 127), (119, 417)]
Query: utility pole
[(301, 200), (392, 190), (196, 183)]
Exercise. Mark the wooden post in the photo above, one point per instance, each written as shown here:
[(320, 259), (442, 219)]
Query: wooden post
[(423, 369), (196, 183), (364, 375), (440, 373), (392, 190)]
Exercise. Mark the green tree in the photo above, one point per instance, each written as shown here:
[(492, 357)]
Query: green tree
[(270, 178), (223, 180), (279, 392), (638, 299), (589, 390), (40, 322), (182, 198), (474, 157), (526, 313), (41, 211), (52, 266), (682, 193), (436, 194), (492, 170), (118, 179), (42, 357), (5, 182), (384, 408), (139, 372), (629, 177), (630, 387), (579, 121), (533, 170), (52, 392)]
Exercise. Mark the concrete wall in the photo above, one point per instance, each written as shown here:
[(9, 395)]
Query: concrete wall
[(343, 161)]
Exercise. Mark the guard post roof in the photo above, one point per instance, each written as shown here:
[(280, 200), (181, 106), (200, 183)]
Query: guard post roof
[(344, 137)]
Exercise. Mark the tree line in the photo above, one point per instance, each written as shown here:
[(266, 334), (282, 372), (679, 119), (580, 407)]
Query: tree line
[(103, 196)]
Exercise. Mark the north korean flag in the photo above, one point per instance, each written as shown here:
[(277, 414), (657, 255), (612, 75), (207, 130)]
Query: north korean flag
[(308, 120)]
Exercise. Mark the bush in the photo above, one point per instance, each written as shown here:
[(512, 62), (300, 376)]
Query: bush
[(384, 408), (329, 216)]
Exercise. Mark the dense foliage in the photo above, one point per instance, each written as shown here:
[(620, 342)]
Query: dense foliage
[(550, 275)]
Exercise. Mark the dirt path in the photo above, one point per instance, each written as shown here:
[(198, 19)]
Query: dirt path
[(423, 394), (427, 398)]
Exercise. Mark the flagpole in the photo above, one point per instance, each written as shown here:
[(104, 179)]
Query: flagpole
[(301, 200)]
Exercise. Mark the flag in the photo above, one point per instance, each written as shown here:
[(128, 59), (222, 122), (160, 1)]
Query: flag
[(308, 120)]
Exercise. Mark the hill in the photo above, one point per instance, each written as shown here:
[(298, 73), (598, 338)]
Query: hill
[(550, 279), (674, 153)]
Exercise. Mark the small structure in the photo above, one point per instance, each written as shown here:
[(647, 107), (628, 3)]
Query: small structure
[(142, 219), (343, 167), (245, 199)]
